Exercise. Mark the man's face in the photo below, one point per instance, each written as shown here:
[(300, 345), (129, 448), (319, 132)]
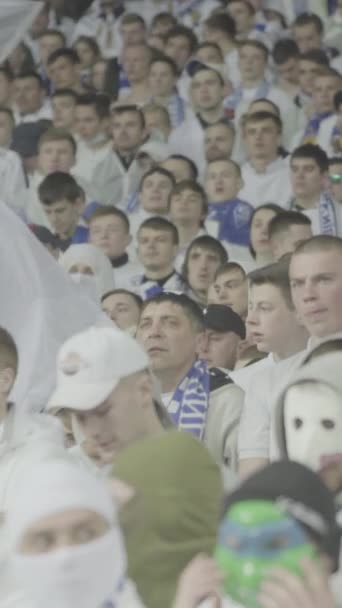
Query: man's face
[(202, 267), (289, 71), (231, 288), (87, 122), (154, 196), (241, 15), (28, 95), (307, 37), (308, 71), (132, 33), (307, 179), (287, 242), (122, 309), (98, 75), (179, 168), (220, 348), (168, 336), (262, 139), (6, 129), (178, 48), (109, 234), (119, 420), (47, 45), (156, 249), (156, 120), (186, 207), (209, 54), (63, 73), (324, 91), (207, 90), (56, 156), (335, 181), (316, 285), (222, 181), (259, 231), (218, 141), (269, 321), (63, 216), (136, 63), (127, 131), (64, 108), (162, 80), (252, 63)]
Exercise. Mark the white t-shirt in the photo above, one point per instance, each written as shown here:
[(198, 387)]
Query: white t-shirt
[(273, 186), (88, 158)]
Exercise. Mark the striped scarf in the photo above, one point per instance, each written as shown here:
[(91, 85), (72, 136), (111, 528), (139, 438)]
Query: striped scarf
[(231, 102), (312, 127), (327, 214)]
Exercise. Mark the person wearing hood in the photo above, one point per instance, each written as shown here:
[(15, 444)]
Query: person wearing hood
[(173, 514), (277, 545), (89, 267), (65, 547)]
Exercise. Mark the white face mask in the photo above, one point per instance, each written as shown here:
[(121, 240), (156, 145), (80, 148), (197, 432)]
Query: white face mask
[(84, 575), (313, 425), (88, 283)]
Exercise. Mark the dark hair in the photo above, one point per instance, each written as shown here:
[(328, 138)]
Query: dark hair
[(222, 22), (65, 93), (129, 18), (189, 184), (314, 152), (260, 116), (8, 111), (222, 121), (265, 100), (283, 221), (271, 207), (91, 42), (162, 58), (309, 19), (247, 4), (9, 356), (69, 54), (337, 100), (285, 49), (190, 308), (30, 74), (162, 224), (274, 274), (188, 160), (256, 44), (164, 18), (315, 56), (55, 134), (157, 170), (185, 32), (318, 243), (58, 186), (124, 108), (104, 211), (228, 267), (100, 103), (138, 300), (208, 243)]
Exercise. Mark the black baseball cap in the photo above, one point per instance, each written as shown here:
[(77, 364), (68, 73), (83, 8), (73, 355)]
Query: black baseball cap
[(222, 318)]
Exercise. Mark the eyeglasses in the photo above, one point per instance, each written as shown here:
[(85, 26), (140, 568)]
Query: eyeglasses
[(336, 178)]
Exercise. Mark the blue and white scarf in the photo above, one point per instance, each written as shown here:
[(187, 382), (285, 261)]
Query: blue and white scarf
[(312, 127), (187, 8), (336, 132), (234, 218), (189, 406), (149, 289), (176, 110), (327, 214), (231, 102)]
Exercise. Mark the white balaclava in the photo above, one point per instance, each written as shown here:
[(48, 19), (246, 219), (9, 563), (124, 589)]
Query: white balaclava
[(89, 255)]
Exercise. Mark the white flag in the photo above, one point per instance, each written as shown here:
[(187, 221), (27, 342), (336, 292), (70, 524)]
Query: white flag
[(16, 17)]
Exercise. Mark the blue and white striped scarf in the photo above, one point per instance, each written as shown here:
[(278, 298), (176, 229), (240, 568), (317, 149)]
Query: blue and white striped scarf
[(312, 127), (327, 214), (231, 102), (188, 408)]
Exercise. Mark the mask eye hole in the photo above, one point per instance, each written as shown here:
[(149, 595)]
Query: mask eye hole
[(328, 424), (298, 423)]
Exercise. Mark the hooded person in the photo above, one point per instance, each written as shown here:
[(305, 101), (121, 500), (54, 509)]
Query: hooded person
[(89, 267), (65, 547), (174, 513), (277, 521)]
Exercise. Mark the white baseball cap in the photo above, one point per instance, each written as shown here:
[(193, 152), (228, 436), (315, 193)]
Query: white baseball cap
[(91, 364)]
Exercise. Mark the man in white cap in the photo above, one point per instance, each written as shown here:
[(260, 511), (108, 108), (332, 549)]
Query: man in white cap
[(104, 382)]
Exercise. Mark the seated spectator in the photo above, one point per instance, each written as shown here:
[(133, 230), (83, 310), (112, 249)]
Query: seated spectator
[(335, 179), (65, 70), (91, 126), (265, 174), (209, 52), (286, 231), (260, 246), (88, 267), (309, 172), (124, 308), (163, 76), (311, 64), (220, 28), (203, 258), (180, 44), (219, 141), (243, 13), (157, 242), (109, 229), (48, 42), (224, 331), (157, 120), (63, 103), (154, 191), (171, 331), (63, 204), (228, 216), (329, 136), (29, 97), (230, 287)]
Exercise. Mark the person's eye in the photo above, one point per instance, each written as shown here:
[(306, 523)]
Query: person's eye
[(84, 535), (328, 424)]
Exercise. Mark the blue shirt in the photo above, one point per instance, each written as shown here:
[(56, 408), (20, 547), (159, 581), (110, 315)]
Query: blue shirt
[(234, 218)]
